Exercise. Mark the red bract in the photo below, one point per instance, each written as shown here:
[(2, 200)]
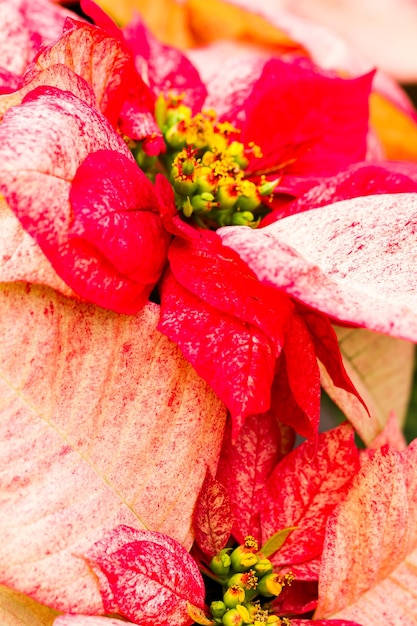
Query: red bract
[(65, 133), (147, 577), (304, 121), (302, 491), (212, 519), (245, 466)]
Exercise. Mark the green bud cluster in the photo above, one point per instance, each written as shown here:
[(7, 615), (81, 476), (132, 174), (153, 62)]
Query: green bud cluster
[(206, 165), (246, 576)]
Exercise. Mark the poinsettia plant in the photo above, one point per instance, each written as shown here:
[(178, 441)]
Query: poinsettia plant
[(175, 250)]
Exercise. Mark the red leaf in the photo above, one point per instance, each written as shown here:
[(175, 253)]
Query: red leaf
[(216, 274), (285, 406), (303, 377), (147, 577), (234, 357), (358, 180), (298, 598), (122, 222), (245, 466), (315, 122), (304, 488), (212, 519), (327, 348)]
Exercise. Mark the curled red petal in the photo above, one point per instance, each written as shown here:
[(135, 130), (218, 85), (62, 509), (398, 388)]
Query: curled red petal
[(116, 211)]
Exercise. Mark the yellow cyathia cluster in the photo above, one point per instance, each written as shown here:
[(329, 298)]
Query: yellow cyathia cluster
[(206, 166)]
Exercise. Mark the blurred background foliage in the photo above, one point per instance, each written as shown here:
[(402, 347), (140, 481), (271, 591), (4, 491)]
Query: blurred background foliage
[(410, 427)]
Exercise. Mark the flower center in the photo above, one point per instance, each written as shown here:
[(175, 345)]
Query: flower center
[(247, 588), (206, 167)]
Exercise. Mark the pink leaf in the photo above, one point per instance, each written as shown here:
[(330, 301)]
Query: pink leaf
[(212, 519), (104, 62), (58, 76), (391, 435), (88, 620), (381, 368), (245, 466), (323, 622), (25, 25), (101, 420), (353, 260), (147, 577), (22, 259), (369, 559), (168, 69), (304, 488)]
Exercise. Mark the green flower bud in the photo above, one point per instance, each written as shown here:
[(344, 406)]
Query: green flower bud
[(206, 181), (188, 167), (245, 218), (233, 596), (247, 580), (244, 613), (220, 564), (268, 187), (187, 208), (175, 137), (203, 203), (232, 617), (185, 186), (248, 203), (243, 558), (217, 608), (263, 566), (227, 195), (270, 585)]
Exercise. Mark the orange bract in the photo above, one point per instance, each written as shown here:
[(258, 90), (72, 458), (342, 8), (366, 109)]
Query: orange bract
[(196, 22), (396, 129)]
